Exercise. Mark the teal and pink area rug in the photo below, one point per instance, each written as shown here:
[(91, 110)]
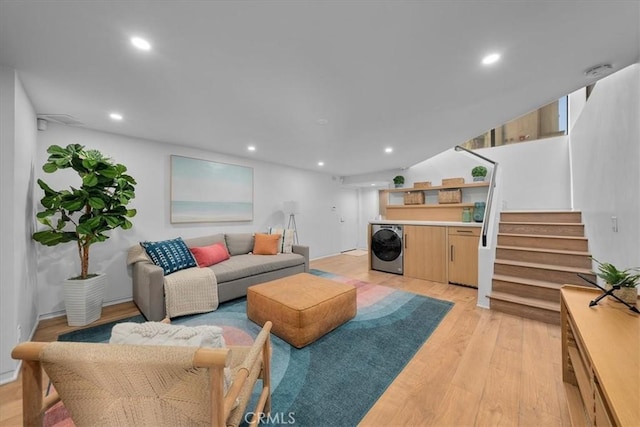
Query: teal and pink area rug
[(337, 379)]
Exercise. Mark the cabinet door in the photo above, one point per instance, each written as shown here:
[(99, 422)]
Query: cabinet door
[(463, 255), (425, 251)]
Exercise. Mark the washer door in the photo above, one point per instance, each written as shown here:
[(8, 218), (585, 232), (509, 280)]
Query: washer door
[(386, 245)]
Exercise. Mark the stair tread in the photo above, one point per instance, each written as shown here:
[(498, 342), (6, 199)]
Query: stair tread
[(543, 236), (531, 302), (542, 223), (544, 266), (555, 251), (540, 211), (525, 281)]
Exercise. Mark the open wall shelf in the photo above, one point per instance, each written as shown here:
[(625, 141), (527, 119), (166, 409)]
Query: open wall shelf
[(427, 211), (439, 187)]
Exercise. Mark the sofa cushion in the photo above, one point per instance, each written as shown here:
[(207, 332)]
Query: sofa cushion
[(285, 245), (241, 266), (172, 255), (239, 243), (194, 242), (266, 244), (209, 255)]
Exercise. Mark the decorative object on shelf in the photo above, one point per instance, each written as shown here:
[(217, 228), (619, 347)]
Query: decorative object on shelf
[(423, 184), (228, 195), (622, 283), (452, 181), (398, 181), (292, 207), (609, 293), (478, 211), (453, 195), (414, 198), (479, 173), (466, 214), (83, 215)]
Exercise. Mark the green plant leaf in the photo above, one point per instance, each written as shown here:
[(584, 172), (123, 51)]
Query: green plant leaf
[(90, 180), (73, 205), (45, 221), (96, 203), (56, 149), (110, 173), (112, 221), (52, 238), (49, 167)]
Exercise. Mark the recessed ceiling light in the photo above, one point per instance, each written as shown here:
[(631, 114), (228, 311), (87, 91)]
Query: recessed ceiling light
[(490, 59), (321, 163), (116, 116), (140, 43), (251, 148), (388, 150)]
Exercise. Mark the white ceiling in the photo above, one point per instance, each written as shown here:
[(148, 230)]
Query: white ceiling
[(226, 74)]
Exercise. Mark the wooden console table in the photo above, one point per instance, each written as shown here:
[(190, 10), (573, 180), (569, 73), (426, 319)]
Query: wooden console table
[(600, 359)]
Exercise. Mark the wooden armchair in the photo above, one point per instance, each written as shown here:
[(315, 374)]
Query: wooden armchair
[(114, 384)]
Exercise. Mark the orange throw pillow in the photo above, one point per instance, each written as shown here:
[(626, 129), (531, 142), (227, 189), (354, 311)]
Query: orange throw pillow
[(266, 244), (209, 255)]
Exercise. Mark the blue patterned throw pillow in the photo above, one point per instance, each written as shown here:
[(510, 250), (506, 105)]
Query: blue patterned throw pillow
[(171, 255)]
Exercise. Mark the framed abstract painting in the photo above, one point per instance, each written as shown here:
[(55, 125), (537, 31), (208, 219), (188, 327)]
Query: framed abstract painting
[(207, 191)]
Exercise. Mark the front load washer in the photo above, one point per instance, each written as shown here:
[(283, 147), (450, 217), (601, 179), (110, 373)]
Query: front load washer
[(386, 248)]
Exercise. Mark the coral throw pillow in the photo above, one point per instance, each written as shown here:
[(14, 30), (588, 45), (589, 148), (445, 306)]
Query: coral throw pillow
[(266, 244), (210, 255)]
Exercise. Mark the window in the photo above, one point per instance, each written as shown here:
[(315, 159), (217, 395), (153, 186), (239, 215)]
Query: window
[(545, 122)]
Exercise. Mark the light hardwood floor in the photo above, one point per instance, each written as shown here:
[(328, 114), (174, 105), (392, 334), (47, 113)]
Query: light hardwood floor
[(478, 368)]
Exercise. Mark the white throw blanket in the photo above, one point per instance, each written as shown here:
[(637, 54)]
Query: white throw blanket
[(190, 291), (157, 333)]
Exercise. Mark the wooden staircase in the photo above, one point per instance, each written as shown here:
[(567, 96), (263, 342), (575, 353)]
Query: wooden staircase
[(537, 253)]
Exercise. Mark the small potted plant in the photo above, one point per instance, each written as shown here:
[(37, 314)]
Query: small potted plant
[(398, 181), (479, 173), (84, 214), (627, 280)]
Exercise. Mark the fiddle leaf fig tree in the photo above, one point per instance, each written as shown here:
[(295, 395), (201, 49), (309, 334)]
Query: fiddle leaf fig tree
[(86, 213)]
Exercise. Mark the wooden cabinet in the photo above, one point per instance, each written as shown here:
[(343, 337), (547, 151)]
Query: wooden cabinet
[(600, 359), (425, 252), (431, 210), (463, 255)]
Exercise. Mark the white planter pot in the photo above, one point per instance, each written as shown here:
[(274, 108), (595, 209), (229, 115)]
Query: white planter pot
[(83, 299)]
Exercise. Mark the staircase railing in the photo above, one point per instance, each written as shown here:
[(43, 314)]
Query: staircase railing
[(492, 184)]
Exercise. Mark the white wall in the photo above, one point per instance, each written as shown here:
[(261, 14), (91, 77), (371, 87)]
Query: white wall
[(605, 148), (535, 174), (148, 162), (18, 298), (369, 208)]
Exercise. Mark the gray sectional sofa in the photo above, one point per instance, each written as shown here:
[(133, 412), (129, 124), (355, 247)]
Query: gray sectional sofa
[(233, 275)]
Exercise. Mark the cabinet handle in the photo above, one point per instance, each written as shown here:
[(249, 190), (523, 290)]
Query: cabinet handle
[(464, 231), (405, 241), (451, 253)]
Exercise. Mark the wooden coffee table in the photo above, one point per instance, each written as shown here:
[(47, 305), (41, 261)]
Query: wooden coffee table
[(302, 307)]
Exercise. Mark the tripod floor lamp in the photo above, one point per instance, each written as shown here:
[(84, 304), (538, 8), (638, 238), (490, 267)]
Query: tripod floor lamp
[(292, 208)]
